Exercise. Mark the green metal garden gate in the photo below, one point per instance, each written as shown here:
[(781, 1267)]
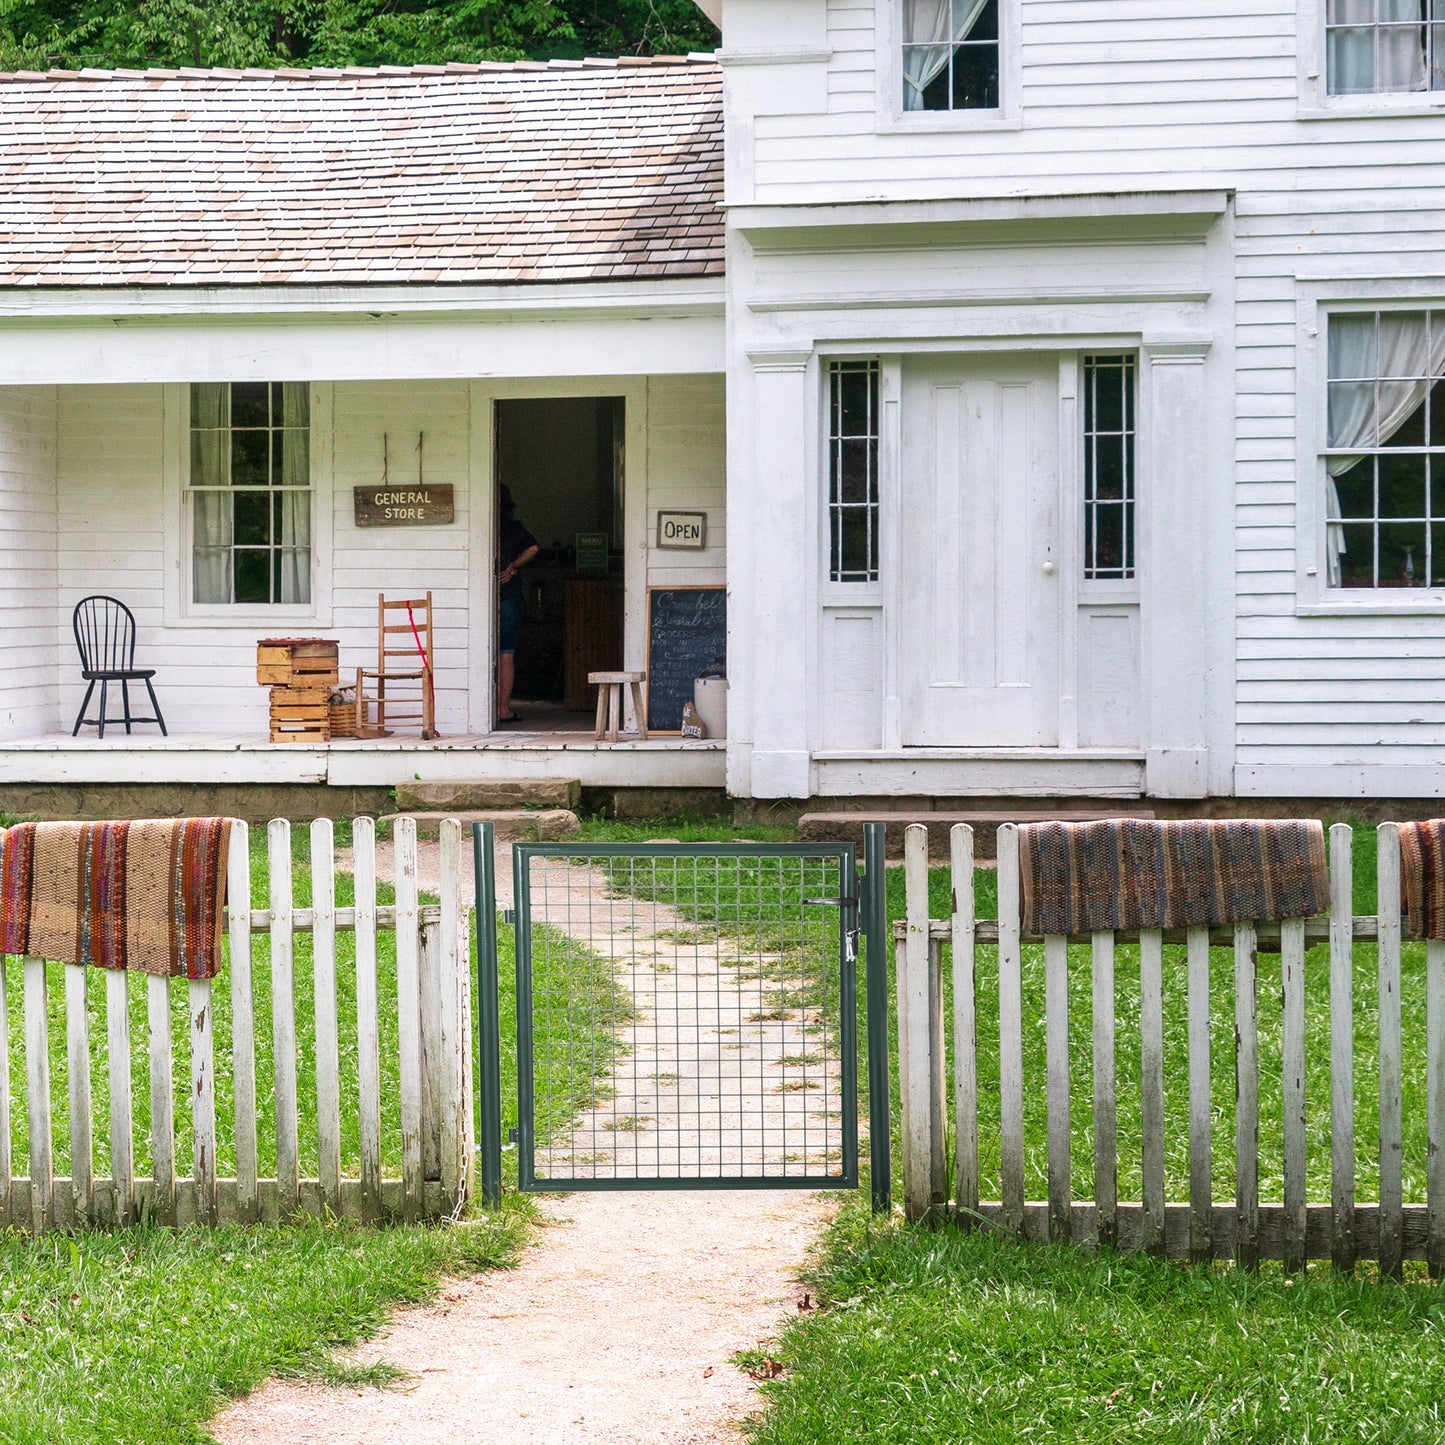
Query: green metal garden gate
[(686, 1015)]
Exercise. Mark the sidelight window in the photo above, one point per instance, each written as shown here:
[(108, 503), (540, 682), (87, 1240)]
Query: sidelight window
[(853, 503), (1109, 492)]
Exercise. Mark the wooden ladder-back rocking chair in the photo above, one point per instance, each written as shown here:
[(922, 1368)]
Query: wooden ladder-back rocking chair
[(401, 686)]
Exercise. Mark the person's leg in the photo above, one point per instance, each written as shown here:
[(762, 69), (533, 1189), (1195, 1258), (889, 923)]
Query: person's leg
[(509, 627), (506, 675)]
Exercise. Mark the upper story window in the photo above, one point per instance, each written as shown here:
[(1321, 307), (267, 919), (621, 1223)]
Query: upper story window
[(951, 54), (250, 492), (1385, 460), (853, 502), (1377, 47)]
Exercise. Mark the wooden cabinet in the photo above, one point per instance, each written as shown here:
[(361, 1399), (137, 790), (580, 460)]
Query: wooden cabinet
[(592, 623)]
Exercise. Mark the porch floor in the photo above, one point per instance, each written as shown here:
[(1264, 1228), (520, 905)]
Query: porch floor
[(146, 757)]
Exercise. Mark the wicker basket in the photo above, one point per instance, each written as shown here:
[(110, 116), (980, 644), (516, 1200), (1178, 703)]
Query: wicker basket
[(343, 719)]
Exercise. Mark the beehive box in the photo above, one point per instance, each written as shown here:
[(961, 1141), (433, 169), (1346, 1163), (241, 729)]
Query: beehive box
[(297, 662), (300, 714)]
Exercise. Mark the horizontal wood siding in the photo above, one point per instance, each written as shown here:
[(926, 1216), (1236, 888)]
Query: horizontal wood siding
[(112, 535), (1124, 95), (28, 702)]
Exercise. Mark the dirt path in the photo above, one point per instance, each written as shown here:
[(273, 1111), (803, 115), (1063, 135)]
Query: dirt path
[(621, 1322)]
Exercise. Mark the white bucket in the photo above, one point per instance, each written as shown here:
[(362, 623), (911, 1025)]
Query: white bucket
[(710, 698)]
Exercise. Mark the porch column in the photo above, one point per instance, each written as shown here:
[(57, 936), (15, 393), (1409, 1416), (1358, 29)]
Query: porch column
[(1176, 611), (783, 563)]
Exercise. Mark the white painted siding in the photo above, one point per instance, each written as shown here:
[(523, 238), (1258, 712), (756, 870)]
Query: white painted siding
[(28, 702), (1124, 95), (114, 531)]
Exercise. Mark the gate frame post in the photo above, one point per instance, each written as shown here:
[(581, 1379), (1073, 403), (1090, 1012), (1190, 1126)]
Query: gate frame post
[(874, 902), (489, 1022)]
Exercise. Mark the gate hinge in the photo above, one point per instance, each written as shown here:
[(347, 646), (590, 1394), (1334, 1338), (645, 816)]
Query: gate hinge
[(509, 917), (513, 1137)]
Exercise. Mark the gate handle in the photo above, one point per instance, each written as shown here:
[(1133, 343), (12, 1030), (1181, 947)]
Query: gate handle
[(844, 902)]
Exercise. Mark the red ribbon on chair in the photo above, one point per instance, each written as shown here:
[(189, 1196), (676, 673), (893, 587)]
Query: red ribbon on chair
[(421, 650)]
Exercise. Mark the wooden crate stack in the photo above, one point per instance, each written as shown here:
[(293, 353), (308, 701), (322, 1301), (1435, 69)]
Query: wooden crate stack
[(301, 672)]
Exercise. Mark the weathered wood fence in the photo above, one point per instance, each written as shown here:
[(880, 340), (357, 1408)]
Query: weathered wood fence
[(1245, 1228), (433, 1075)]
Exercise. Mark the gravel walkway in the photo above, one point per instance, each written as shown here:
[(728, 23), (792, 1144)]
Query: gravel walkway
[(621, 1321)]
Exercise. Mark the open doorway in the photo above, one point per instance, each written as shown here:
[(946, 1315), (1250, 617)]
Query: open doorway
[(560, 459)]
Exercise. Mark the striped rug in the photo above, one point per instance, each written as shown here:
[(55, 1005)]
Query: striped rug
[(147, 896), (1422, 877), (1124, 874)]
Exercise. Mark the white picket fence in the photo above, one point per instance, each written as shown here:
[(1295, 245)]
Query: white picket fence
[(1245, 1228), (433, 1074)]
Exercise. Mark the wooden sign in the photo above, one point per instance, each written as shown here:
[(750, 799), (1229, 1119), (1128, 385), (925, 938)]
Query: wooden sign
[(685, 530), (418, 505)]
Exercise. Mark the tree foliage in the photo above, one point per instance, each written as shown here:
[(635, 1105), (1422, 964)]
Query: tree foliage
[(40, 34)]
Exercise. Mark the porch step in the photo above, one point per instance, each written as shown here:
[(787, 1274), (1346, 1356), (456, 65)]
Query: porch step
[(848, 827), (512, 825), (513, 793)]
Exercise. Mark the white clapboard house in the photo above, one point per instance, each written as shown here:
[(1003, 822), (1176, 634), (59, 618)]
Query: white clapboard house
[(1051, 383)]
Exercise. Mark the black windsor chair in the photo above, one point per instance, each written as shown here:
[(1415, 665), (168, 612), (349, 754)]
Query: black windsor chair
[(105, 637)]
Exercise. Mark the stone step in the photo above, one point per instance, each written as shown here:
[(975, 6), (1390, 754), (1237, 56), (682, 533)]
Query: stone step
[(512, 793), (512, 825), (847, 827)]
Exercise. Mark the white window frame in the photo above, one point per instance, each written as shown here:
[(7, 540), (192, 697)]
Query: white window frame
[(1316, 302), (1315, 101), (889, 69), (180, 608)]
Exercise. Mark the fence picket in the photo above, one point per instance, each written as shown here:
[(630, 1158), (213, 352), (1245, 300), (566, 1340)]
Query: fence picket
[(37, 1080), (1391, 1244), (431, 1053), (1011, 1031), (203, 1097), (283, 1015), (450, 852), (1056, 1085), (1201, 1159), (1106, 1113), (243, 1023), (1151, 1083), (408, 989), (122, 1126), (77, 1051), (7, 1172), (163, 1129), (1246, 1096), (1292, 956), (965, 1026), (328, 1056), (363, 854), (915, 1031), (1342, 1049), (1435, 1103)]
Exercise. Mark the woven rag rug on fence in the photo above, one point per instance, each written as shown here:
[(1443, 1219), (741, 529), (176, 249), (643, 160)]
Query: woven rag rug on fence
[(1422, 877), (1126, 874), (147, 896)]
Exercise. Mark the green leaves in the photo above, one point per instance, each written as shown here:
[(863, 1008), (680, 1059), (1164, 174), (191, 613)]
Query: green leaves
[(38, 34)]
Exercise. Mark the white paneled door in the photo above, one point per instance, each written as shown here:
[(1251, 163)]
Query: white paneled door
[(981, 559)]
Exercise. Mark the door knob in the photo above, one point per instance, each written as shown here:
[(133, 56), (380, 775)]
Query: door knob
[(1048, 567)]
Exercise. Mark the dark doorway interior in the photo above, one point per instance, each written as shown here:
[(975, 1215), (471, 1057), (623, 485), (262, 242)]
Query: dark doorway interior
[(561, 458)]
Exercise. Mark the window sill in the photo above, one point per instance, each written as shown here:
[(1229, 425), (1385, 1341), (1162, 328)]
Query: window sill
[(1368, 107), (947, 122), (1427, 604), (250, 619)]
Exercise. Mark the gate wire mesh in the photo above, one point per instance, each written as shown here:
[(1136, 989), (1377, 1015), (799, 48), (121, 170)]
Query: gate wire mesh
[(686, 1016)]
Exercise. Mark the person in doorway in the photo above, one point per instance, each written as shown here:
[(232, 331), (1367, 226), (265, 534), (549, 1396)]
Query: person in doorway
[(516, 546)]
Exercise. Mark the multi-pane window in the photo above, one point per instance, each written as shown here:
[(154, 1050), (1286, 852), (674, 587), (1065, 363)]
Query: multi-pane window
[(950, 54), (1377, 46), (1385, 457), (250, 492), (853, 471), (1109, 499)]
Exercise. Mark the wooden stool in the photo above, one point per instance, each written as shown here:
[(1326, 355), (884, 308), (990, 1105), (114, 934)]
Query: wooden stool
[(609, 702)]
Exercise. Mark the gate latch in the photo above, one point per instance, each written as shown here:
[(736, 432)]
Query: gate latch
[(846, 904)]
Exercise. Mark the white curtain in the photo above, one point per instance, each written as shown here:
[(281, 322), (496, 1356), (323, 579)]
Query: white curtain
[(1381, 370), (211, 520), (931, 29), (296, 499), (1364, 60)]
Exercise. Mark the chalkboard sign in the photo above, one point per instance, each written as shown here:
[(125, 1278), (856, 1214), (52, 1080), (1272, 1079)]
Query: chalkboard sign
[(687, 628)]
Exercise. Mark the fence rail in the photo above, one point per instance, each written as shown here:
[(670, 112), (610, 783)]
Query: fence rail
[(432, 1075), (1247, 1229)]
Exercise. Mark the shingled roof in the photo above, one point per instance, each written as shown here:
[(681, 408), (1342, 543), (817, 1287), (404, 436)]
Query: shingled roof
[(578, 171)]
